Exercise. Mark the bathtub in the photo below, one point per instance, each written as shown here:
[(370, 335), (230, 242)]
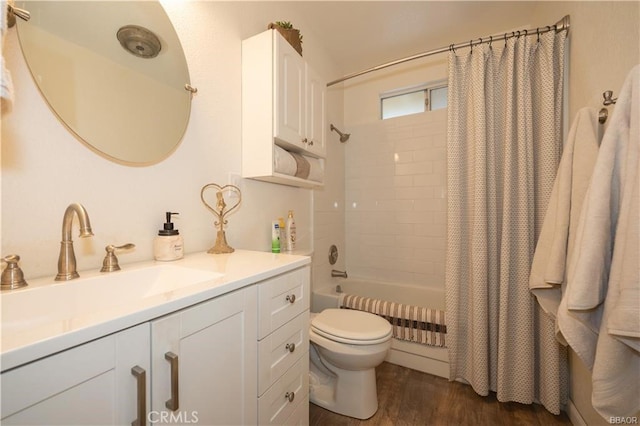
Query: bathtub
[(428, 359)]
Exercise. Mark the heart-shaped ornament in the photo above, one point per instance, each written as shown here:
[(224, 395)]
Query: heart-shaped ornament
[(219, 207)]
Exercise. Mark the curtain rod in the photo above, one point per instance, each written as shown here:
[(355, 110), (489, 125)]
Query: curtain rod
[(561, 25)]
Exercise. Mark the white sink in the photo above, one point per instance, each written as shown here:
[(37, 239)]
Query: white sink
[(72, 304)]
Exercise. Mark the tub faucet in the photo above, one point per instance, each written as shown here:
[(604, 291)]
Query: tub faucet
[(67, 259), (338, 274)]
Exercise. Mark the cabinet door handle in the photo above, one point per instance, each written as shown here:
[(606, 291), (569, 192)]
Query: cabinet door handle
[(290, 396), (304, 140), (174, 403), (290, 347), (311, 142), (291, 298), (141, 381)]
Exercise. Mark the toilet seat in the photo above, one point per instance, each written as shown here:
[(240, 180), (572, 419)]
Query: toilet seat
[(351, 327)]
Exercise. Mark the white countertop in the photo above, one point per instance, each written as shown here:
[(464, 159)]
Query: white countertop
[(28, 339)]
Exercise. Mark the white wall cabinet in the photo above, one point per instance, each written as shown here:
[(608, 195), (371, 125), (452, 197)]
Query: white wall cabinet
[(101, 382), (204, 362), (283, 103)]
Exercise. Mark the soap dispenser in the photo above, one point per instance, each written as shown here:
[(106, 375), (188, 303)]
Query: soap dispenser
[(168, 245)]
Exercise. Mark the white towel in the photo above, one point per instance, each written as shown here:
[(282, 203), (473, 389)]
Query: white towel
[(6, 84), (286, 163), (603, 273), (555, 244)]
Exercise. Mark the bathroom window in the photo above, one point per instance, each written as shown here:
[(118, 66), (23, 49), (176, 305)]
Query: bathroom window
[(414, 100)]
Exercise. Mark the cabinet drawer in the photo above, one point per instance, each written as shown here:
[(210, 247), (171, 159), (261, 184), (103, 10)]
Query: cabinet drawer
[(282, 298), (300, 416), (281, 349), (277, 404)]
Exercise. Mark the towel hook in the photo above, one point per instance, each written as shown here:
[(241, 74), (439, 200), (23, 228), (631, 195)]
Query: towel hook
[(608, 97)]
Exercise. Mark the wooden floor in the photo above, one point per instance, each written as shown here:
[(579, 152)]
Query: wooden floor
[(409, 397)]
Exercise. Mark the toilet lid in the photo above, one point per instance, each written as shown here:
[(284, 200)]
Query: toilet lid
[(350, 326)]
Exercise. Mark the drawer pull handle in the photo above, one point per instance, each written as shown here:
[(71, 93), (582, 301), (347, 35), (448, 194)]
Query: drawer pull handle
[(290, 396), (141, 405), (290, 347), (291, 298), (174, 403)]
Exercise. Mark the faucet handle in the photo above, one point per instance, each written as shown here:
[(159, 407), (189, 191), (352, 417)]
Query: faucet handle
[(110, 262), (12, 276)]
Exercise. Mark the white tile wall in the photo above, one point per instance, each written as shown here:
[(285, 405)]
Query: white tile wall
[(395, 184)]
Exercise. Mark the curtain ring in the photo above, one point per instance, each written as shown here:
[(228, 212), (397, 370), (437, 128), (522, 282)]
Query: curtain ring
[(471, 45), (538, 31), (452, 49), (490, 41), (505, 39)]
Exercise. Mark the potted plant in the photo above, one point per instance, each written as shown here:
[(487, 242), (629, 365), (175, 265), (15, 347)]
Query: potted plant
[(292, 35)]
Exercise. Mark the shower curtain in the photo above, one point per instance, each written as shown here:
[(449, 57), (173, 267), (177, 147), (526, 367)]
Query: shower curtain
[(504, 142)]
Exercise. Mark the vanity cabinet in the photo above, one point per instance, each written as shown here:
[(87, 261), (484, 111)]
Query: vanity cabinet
[(283, 349), (105, 381), (204, 362), (241, 357), (283, 104)]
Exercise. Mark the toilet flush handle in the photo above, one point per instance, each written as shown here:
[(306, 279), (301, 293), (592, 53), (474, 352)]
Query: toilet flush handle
[(290, 396), (291, 298), (290, 347)]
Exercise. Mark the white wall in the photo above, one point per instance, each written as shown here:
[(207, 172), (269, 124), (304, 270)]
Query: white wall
[(44, 168), (395, 180)]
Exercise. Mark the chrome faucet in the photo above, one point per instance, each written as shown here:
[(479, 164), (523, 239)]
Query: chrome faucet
[(67, 259), (338, 274)]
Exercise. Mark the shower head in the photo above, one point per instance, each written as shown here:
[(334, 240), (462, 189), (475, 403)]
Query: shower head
[(343, 136)]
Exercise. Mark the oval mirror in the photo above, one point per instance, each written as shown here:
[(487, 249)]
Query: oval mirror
[(113, 72)]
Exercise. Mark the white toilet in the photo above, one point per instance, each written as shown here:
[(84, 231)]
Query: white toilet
[(346, 347)]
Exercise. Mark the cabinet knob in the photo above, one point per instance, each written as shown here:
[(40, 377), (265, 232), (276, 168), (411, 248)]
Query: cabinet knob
[(311, 142), (304, 140), (290, 347), (290, 396), (291, 298)]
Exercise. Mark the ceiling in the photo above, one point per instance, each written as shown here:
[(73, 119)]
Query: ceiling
[(362, 34)]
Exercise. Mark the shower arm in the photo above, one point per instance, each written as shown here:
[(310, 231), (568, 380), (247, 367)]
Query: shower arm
[(343, 136)]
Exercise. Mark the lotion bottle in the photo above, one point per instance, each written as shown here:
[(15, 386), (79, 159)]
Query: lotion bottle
[(168, 245), (291, 232)]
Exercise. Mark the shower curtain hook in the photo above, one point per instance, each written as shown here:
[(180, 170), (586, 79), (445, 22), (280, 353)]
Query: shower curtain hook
[(505, 40), (538, 32), (490, 41), (471, 45)]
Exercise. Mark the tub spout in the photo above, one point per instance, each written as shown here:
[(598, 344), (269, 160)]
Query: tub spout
[(338, 274), (67, 259)]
